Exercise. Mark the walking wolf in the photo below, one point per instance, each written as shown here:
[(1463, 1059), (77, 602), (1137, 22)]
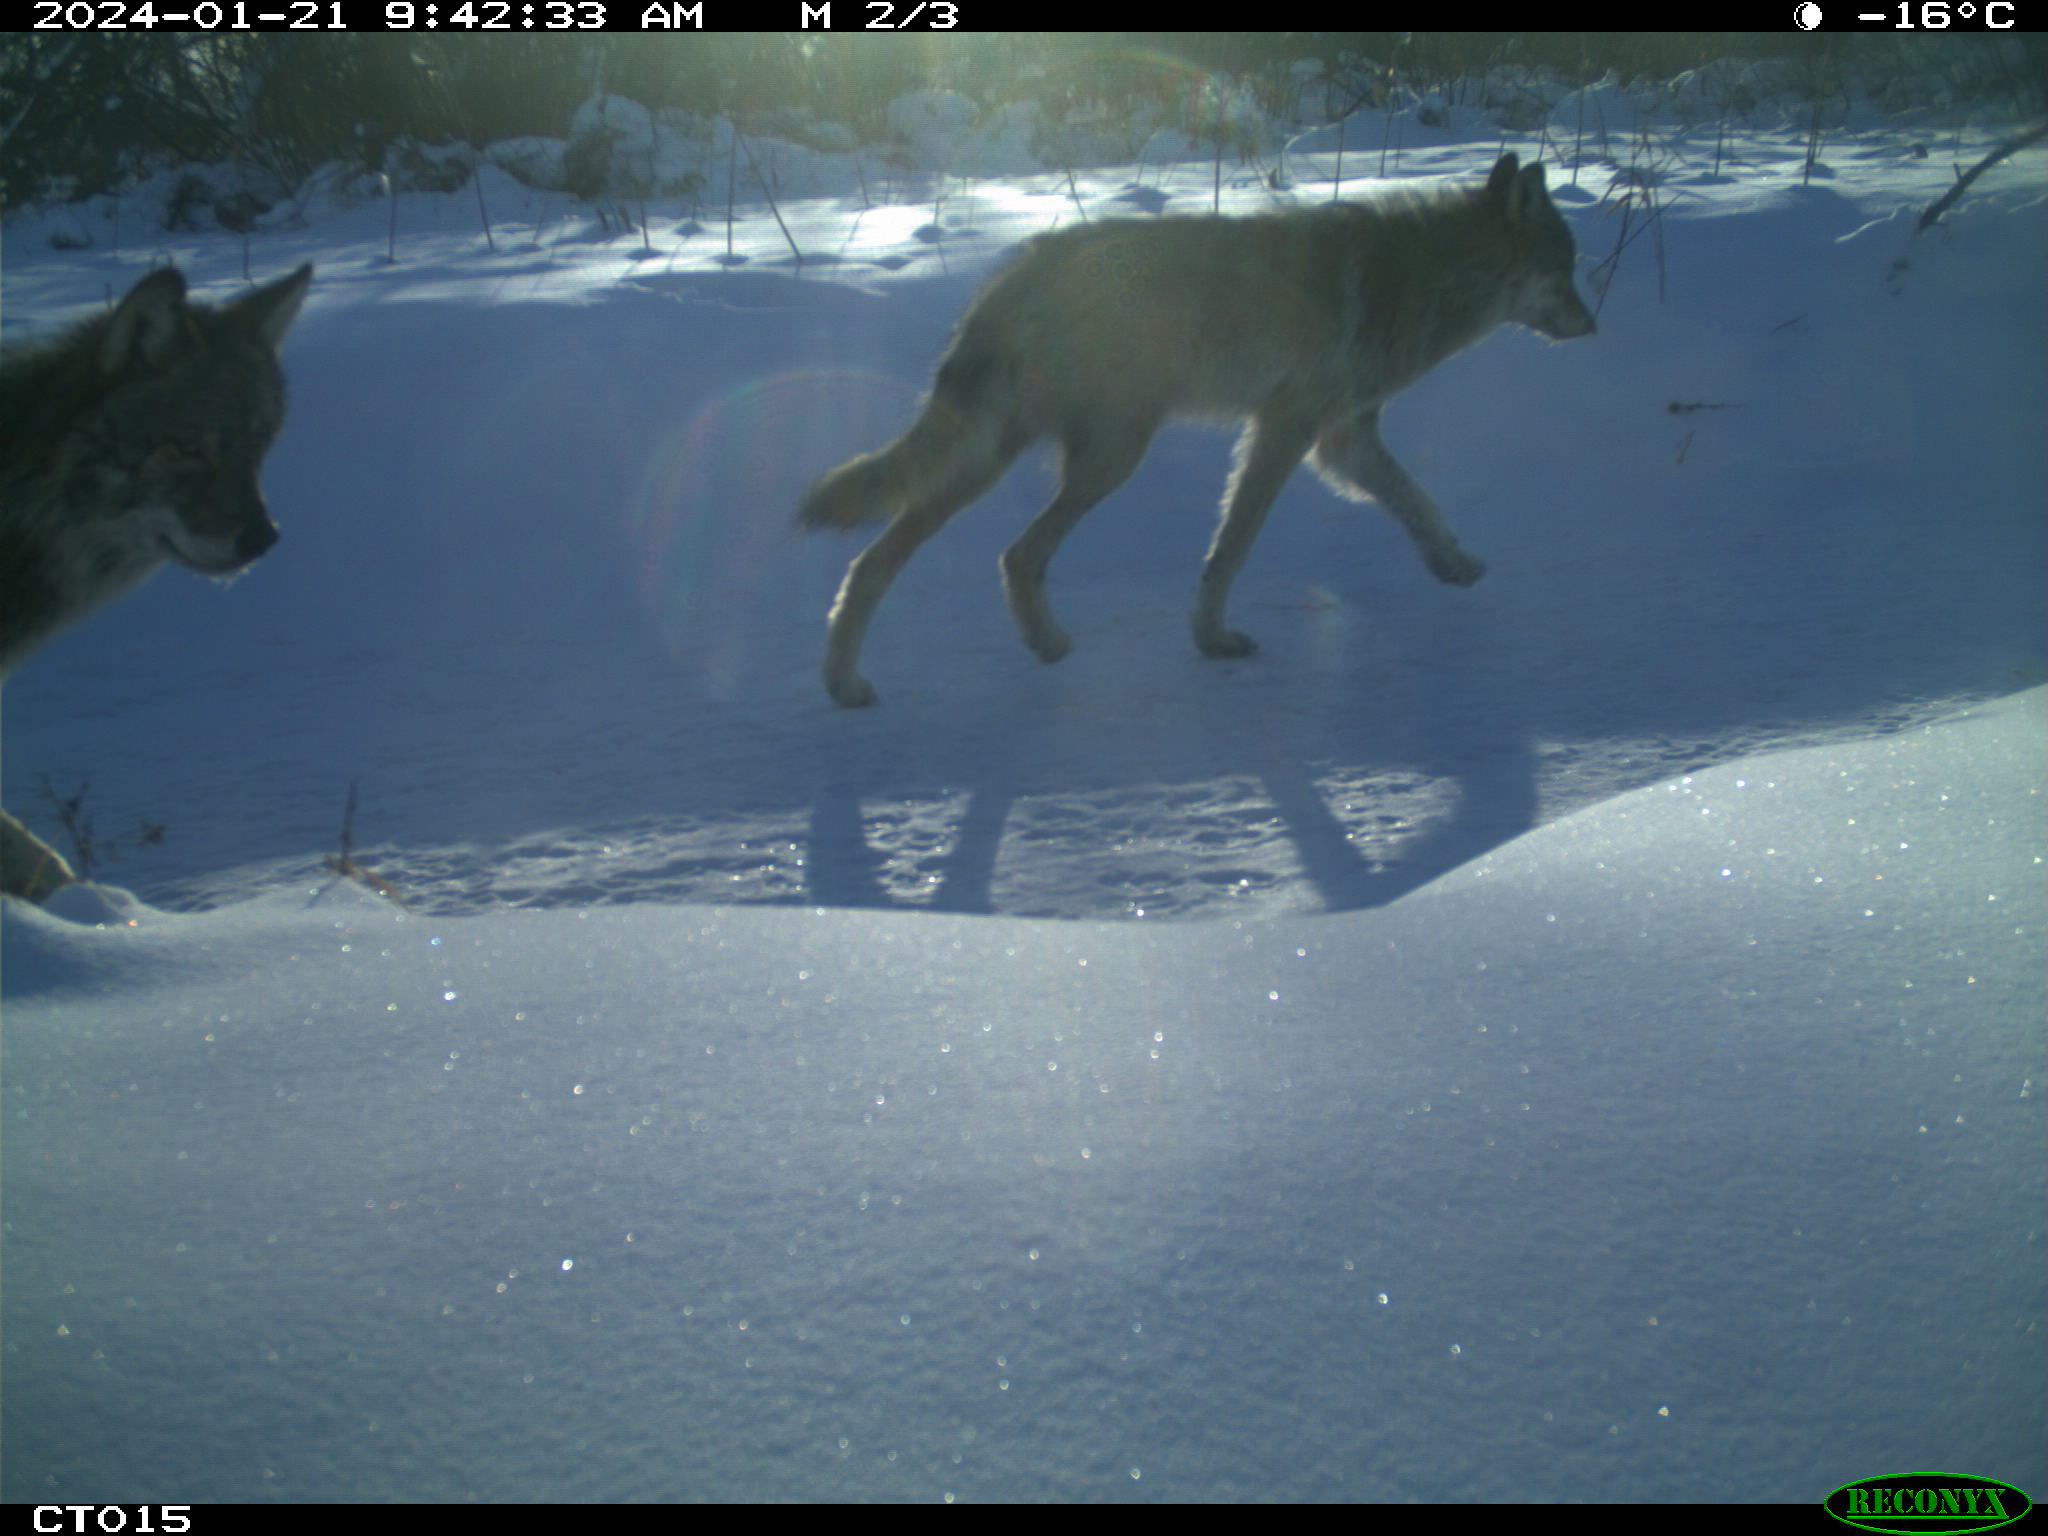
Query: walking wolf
[(1303, 324)]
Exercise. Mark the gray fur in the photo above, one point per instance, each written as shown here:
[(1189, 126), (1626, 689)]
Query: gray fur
[(1301, 324)]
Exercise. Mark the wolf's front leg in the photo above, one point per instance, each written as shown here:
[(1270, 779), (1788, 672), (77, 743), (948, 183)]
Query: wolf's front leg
[(29, 866), (1354, 461)]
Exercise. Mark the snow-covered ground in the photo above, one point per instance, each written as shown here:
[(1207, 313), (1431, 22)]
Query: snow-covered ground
[(1601, 1057)]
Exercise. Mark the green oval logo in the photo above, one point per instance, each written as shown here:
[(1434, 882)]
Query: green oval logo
[(1914, 1502)]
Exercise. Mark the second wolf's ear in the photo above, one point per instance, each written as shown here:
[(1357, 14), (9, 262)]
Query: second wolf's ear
[(270, 311), (1502, 177), (146, 324), (1527, 197)]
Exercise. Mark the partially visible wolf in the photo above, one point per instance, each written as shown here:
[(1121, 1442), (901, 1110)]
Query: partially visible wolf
[(1304, 322), (133, 439)]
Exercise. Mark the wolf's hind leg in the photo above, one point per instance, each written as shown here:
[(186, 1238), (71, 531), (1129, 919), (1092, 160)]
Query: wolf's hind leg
[(868, 577), (1094, 463)]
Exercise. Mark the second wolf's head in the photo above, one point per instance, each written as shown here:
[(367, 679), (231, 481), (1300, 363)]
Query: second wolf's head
[(193, 398), (135, 439)]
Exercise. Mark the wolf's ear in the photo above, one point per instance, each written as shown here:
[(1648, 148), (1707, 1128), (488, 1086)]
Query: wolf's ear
[(1528, 198), (270, 311), (1502, 177), (146, 324)]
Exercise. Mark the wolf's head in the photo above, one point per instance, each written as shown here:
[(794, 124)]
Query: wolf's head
[(193, 396), (1544, 297)]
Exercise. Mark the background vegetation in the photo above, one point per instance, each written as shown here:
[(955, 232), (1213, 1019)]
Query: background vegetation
[(84, 114)]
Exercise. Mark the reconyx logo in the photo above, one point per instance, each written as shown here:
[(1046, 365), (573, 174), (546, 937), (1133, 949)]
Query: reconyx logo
[(1927, 1501)]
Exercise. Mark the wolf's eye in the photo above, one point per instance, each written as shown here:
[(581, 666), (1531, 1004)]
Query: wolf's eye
[(184, 455)]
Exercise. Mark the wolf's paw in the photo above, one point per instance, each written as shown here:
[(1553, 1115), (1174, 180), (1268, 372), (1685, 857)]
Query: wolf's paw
[(1049, 644), (29, 867), (851, 691), (1457, 567), (1224, 644)]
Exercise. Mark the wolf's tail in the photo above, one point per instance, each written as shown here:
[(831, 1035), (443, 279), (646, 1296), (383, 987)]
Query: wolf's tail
[(962, 437)]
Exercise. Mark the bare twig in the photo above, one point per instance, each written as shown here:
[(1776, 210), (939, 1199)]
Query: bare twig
[(769, 193), (343, 862), (1947, 199)]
